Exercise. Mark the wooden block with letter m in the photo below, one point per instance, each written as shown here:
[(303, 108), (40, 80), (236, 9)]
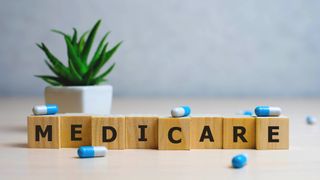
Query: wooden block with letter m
[(44, 131)]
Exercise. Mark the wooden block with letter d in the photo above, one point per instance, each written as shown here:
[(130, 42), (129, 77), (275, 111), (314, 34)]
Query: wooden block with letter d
[(206, 132), (108, 131), (272, 133), (75, 130), (141, 132), (174, 133), (239, 132), (44, 132)]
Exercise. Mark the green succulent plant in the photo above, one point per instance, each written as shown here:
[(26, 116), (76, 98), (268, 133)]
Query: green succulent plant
[(79, 71)]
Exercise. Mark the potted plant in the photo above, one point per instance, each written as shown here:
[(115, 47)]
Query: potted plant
[(75, 87)]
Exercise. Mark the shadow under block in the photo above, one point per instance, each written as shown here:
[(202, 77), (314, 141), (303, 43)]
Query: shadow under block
[(272, 132), (141, 132), (44, 132), (174, 133), (75, 131), (239, 132), (206, 132), (108, 131)]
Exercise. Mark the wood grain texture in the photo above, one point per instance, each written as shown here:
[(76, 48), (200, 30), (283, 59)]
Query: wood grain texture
[(272, 133), (108, 131), (206, 132), (141, 132), (245, 127), (44, 132), (176, 129), (75, 131)]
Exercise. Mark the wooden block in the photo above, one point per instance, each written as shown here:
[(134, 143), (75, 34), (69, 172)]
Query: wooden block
[(239, 132), (75, 131), (206, 132), (174, 133), (108, 131), (272, 132), (44, 132), (141, 132)]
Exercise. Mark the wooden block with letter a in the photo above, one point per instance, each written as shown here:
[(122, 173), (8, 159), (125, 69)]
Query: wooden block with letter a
[(206, 132), (44, 132), (239, 132), (75, 130), (141, 132), (108, 131), (272, 133), (174, 133)]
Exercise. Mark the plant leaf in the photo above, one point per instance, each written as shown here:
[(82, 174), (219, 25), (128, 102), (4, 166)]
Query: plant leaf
[(99, 50), (80, 67), (89, 42), (50, 79), (75, 36), (101, 77), (82, 41)]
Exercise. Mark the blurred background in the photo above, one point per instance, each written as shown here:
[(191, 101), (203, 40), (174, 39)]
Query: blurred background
[(173, 48)]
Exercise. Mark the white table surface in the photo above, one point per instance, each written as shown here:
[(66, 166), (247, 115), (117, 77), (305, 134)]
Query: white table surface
[(301, 161)]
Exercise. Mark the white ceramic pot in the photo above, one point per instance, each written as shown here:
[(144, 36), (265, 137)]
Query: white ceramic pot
[(80, 99)]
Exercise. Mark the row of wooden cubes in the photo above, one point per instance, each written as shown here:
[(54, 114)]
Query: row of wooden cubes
[(152, 132)]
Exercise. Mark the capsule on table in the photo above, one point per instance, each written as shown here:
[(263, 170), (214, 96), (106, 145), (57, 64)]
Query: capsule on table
[(264, 111), (92, 151), (181, 111), (239, 161), (311, 120), (47, 109)]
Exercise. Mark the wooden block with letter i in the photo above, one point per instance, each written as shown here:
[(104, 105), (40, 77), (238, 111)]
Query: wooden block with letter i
[(239, 132), (272, 132), (108, 131), (75, 130), (174, 133), (206, 132), (44, 131), (141, 132)]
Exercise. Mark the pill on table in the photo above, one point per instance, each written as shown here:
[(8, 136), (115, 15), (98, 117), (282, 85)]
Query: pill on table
[(311, 119), (91, 151), (263, 111), (181, 111), (239, 161), (45, 109)]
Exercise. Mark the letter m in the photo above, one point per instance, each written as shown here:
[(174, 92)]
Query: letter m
[(43, 133)]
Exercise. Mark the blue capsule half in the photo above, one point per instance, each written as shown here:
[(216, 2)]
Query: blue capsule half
[(91, 151), (265, 111), (239, 161)]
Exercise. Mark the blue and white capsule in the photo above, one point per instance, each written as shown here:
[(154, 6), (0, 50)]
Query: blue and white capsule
[(92, 151), (265, 111), (239, 161), (182, 111), (47, 109), (311, 120)]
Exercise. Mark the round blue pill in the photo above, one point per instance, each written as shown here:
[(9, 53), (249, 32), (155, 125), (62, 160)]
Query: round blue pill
[(311, 120), (239, 161)]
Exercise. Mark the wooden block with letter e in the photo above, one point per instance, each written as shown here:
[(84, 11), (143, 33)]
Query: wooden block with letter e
[(141, 132), (206, 132), (44, 132), (75, 130), (239, 132), (174, 133), (272, 133), (108, 131)]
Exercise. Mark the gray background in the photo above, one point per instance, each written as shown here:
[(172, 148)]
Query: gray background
[(173, 47)]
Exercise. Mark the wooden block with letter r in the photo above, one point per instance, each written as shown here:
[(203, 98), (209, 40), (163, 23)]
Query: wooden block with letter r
[(44, 131), (108, 131), (75, 130), (174, 133), (206, 132), (141, 132), (239, 132), (272, 133)]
